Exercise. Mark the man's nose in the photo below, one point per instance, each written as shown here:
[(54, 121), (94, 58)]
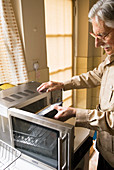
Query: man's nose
[(98, 42)]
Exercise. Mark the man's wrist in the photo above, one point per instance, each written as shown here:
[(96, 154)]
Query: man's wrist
[(74, 112)]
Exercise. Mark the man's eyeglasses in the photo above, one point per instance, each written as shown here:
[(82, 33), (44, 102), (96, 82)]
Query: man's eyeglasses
[(100, 36)]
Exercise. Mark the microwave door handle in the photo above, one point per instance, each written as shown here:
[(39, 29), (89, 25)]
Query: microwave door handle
[(60, 156)]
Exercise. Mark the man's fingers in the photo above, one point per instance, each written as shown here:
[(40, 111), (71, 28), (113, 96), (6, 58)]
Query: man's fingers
[(58, 115), (43, 86), (50, 86), (40, 87), (58, 108)]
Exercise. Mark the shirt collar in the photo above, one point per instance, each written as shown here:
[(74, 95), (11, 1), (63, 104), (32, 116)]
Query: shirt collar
[(109, 59)]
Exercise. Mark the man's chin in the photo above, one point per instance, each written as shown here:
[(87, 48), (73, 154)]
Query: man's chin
[(109, 52)]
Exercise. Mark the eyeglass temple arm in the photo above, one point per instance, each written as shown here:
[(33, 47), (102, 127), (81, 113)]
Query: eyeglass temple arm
[(92, 35)]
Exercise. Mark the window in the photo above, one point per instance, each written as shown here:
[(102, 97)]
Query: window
[(58, 15), (12, 62)]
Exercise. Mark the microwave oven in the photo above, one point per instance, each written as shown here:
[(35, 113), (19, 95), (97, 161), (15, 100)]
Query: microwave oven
[(24, 97), (44, 141), (27, 124)]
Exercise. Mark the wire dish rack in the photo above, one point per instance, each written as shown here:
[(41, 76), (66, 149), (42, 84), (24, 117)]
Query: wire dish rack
[(8, 155)]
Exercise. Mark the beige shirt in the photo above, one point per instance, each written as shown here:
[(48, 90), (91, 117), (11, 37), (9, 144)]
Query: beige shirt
[(101, 120)]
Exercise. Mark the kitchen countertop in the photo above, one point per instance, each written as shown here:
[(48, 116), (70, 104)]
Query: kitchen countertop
[(81, 134)]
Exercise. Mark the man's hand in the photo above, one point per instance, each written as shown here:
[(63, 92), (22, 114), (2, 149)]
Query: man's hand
[(50, 86), (64, 113)]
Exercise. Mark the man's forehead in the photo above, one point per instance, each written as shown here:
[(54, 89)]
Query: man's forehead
[(99, 26)]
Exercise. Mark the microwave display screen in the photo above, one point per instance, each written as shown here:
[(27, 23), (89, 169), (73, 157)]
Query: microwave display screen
[(36, 141)]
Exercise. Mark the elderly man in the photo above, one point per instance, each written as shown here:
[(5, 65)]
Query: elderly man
[(102, 119)]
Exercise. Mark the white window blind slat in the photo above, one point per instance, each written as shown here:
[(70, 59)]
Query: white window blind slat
[(12, 63)]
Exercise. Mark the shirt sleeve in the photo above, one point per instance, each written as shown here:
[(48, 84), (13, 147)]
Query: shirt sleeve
[(85, 80), (95, 120)]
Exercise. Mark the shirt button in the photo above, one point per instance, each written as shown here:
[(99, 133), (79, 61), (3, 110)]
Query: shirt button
[(111, 87)]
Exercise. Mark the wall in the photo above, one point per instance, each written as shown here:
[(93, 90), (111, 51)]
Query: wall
[(88, 56), (31, 22)]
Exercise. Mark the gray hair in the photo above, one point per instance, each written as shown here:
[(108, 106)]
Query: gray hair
[(104, 10)]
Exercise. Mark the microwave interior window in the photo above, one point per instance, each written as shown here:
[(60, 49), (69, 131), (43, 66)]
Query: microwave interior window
[(36, 106), (36, 141)]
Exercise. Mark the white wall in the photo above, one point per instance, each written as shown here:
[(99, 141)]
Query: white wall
[(31, 21)]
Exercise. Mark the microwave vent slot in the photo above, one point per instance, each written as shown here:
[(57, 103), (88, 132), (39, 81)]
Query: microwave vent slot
[(29, 91), (22, 94), (16, 96), (8, 99)]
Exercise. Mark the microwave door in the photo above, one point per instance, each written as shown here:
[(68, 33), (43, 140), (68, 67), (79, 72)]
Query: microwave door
[(43, 139)]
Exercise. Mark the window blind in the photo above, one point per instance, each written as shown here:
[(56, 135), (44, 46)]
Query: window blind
[(12, 62)]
